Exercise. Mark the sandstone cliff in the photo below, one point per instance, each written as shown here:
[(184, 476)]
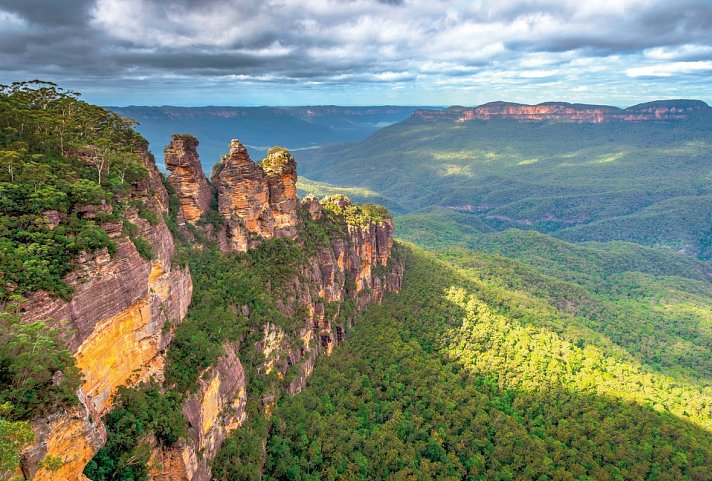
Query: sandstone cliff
[(213, 411), (257, 201), (126, 305), (562, 111), (116, 323), (341, 275)]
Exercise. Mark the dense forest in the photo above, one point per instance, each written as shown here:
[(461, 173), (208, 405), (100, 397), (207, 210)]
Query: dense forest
[(455, 378)]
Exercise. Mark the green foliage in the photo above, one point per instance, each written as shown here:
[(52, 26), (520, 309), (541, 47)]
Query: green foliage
[(222, 285), (138, 411), (57, 153), (443, 381), (143, 246), (277, 159), (354, 214), (37, 372), (14, 435), (653, 302), (51, 463)]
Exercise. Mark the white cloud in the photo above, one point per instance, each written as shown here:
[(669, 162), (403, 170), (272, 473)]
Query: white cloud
[(670, 69)]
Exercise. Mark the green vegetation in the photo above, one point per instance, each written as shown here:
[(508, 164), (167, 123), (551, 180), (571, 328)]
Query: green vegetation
[(14, 435), (509, 354), (653, 302), (138, 411), (451, 379), (57, 154), (643, 182), (354, 214), (276, 160), (234, 296), (37, 372), (38, 376)]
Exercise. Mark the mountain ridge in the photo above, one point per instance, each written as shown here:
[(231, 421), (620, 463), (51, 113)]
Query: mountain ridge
[(656, 110)]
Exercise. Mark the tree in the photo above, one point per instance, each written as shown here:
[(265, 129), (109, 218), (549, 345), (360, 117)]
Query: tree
[(14, 435)]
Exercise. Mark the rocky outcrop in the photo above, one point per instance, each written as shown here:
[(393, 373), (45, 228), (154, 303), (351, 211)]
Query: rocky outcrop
[(117, 324), (666, 110), (187, 178), (312, 206), (281, 172), (125, 306), (73, 436), (357, 269), (257, 203), (213, 411)]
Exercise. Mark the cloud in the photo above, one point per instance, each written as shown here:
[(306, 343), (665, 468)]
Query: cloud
[(102, 45), (670, 69)]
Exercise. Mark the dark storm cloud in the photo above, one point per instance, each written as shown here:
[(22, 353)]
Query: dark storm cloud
[(338, 42)]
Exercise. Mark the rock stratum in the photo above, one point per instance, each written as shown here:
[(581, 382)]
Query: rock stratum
[(125, 309), (661, 110)]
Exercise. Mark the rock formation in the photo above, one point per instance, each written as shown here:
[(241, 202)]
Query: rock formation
[(125, 308), (187, 178), (281, 172), (663, 110), (257, 202)]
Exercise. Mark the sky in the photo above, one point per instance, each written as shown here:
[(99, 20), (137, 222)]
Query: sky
[(361, 52)]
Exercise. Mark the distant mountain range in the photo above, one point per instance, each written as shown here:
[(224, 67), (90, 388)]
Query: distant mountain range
[(259, 128), (579, 172), (597, 114)]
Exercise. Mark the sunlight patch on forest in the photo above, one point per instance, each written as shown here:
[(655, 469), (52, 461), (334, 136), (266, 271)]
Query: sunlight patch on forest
[(535, 358)]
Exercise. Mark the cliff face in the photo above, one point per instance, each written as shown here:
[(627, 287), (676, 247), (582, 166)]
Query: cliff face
[(124, 309), (561, 111), (256, 203), (115, 324), (213, 411), (359, 268), (187, 178), (340, 276)]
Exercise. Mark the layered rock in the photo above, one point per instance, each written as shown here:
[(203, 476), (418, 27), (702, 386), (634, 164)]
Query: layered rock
[(124, 308), (561, 111), (257, 203), (187, 178), (359, 266), (117, 324)]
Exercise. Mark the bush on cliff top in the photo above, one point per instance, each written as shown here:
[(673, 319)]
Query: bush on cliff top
[(358, 215), (277, 159)]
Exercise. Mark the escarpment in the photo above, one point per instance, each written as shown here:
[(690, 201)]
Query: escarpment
[(117, 323), (342, 259), (664, 110), (317, 264), (146, 321)]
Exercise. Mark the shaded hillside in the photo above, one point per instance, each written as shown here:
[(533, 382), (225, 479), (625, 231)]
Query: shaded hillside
[(644, 181)]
